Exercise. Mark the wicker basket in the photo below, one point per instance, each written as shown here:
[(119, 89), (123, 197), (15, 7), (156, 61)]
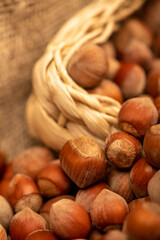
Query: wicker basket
[(58, 109)]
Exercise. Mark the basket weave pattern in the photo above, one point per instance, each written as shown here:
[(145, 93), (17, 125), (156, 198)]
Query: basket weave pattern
[(58, 109)]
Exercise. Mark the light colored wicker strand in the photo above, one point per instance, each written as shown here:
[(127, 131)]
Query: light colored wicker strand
[(59, 109)]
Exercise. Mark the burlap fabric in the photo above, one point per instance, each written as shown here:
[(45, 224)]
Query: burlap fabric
[(26, 26)]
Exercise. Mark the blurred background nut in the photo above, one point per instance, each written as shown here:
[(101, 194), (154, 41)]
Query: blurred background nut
[(6, 213), (3, 234), (31, 161), (115, 235), (88, 66)]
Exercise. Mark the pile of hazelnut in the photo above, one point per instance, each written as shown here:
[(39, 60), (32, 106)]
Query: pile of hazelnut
[(84, 191)]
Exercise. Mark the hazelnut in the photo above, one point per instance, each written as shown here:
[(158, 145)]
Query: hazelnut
[(25, 222), (86, 196), (143, 222), (108, 210), (69, 220), (52, 181), (45, 209), (95, 234), (131, 79), (3, 234), (88, 66), (115, 235), (151, 15), (113, 67), (140, 174), (42, 234), (119, 182), (83, 161), (153, 83), (23, 192), (153, 187), (122, 149), (133, 28), (109, 89), (6, 213), (137, 115), (138, 52), (32, 161), (138, 202), (154, 65), (151, 145), (157, 104)]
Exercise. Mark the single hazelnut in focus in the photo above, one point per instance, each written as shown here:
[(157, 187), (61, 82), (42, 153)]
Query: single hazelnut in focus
[(88, 66), (138, 202), (69, 220), (32, 161), (153, 83), (52, 180), (153, 188), (131, 79), (3, 234), (137, 115), (23, 192), (122, 149), (83, 161), (45, 209), (42, 234), (86, 196), (109, 89), (6, 213), (151, 145), (133, 28), (140, 174), (143, 222), (108, 210), (115, 235), (119, 182), (25, 222)]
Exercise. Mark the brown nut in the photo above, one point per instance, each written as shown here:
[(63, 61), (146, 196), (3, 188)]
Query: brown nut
[(3, 234), (151, 145), (6, 213), (131, 79), (122, 149), (153, 188), (32, 161), (86, 196), (83, 161), (151, 15), (42, 234), (88, 66), (108, 210), (45, 209), (109, 49), (95, 234), (52, 180), (137, 203), (153, 84), (140, 174), (23, 192), (137, 115), (69, 220), (133, 28), (25, 222), (109, 89), (119, 182), (157, 104), (143, 222)]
